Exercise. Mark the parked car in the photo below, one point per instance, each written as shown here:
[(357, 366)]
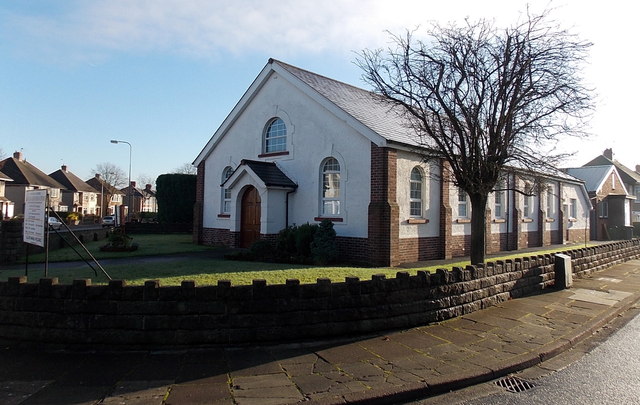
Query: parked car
[(109, 220), (54, 223)]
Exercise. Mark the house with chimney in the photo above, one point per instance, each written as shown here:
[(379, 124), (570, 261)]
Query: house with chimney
[(629, 177), (611, 216), (140, 200), (301, 148), (6, 205), (110, 198), (77, 196), (27, 177)]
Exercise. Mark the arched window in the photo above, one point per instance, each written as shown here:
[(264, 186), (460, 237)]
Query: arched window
[(226, 193), (330, 188), (415, 193), (275, 136)]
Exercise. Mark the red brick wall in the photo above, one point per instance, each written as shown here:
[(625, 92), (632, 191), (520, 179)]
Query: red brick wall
[(219, 236), (353, 250), (419, 249), (198, 207), (383, 223), (446, 212)]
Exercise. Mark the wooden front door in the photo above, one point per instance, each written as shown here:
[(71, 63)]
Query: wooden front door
[(250, 217)]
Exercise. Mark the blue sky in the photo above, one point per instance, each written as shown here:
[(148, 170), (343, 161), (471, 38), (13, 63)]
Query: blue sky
[(164, 74)]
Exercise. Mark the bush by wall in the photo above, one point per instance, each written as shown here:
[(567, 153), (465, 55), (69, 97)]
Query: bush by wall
[(176, 195), (155, 316)]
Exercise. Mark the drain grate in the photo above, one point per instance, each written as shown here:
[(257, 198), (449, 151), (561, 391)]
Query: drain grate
[(514, 384)]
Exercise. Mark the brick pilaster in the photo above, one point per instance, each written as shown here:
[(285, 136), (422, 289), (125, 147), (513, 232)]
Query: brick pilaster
[(384, 214), (198, 207), (446, 215)]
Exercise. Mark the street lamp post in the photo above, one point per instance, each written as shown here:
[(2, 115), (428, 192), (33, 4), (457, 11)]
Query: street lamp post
[(129, 187)]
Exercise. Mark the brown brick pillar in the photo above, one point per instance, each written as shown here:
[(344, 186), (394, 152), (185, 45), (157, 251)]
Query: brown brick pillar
[(446, 215), (384, 214), (198, 207)]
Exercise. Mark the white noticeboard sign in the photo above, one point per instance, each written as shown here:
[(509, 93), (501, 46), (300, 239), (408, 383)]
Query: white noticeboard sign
[(34, 210)]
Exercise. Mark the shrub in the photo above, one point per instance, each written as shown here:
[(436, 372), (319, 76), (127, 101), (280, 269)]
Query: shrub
[(261, 249), (323, 248), (304, 237)]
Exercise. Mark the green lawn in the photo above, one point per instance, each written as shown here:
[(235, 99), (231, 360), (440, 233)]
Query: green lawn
[(205, 271)]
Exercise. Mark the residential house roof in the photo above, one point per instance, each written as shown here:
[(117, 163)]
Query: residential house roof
[(135, 191), (4, 177), (24, 173), (70, 181), (595, 176), (147, 191), (101, 186), (627, 175)]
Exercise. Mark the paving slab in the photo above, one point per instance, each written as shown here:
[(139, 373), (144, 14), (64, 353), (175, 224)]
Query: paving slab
[(386, 368)]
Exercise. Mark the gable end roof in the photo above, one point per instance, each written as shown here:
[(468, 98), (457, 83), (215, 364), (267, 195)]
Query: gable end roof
[(71, 182), (24, 173)]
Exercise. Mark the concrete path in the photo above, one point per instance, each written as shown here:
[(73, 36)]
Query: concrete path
[(390, 368)]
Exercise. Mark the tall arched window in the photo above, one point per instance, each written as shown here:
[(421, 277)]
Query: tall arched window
[(331, 187), (275, 136), (415, 193), (226, 192)]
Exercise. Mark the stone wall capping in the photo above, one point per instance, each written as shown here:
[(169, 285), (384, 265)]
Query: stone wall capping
[(151, 315)]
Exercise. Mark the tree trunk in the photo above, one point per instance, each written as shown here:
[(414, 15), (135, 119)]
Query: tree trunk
[(478, 229)]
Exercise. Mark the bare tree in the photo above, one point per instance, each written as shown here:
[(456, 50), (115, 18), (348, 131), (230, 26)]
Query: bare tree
[(144, 179), (186, 168), (482, 98), (2, 154), (112, 174)]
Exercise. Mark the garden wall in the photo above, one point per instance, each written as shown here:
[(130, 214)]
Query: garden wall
[(155, 316), (12, 247)]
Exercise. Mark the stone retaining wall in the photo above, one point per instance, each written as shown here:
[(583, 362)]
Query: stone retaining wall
[(12, 247), (155, 316)]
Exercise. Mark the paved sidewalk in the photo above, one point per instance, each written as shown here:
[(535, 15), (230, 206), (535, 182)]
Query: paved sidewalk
[(390, 368)]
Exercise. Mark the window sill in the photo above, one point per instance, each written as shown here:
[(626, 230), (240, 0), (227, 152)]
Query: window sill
[(417, 221), (550, 220), (272, 154), (463, 220), (573, 220), (527, 220), (499, 221), (224, 215), (332, 219)]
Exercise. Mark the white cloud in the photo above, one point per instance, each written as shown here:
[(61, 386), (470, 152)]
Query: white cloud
[(207, 28)]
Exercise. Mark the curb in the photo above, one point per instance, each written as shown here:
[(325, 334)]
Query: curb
[(415, 391)]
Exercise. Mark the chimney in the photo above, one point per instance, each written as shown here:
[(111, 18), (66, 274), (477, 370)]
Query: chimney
[(147, 187), (133, 184), (98, 176), (18, 155), (64, 168), (608, 153), (638, 169)]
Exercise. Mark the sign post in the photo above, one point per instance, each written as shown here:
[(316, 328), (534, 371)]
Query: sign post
[(34, 218)]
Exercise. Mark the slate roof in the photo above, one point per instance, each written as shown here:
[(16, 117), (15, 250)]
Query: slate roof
[(101, 185), (4, 177), (24, 173), (70, 181), (593, 176), (365, 106), (269, 173), (626, 174)]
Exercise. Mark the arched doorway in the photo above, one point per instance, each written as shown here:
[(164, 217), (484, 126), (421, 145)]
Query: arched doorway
[(250, 217)]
